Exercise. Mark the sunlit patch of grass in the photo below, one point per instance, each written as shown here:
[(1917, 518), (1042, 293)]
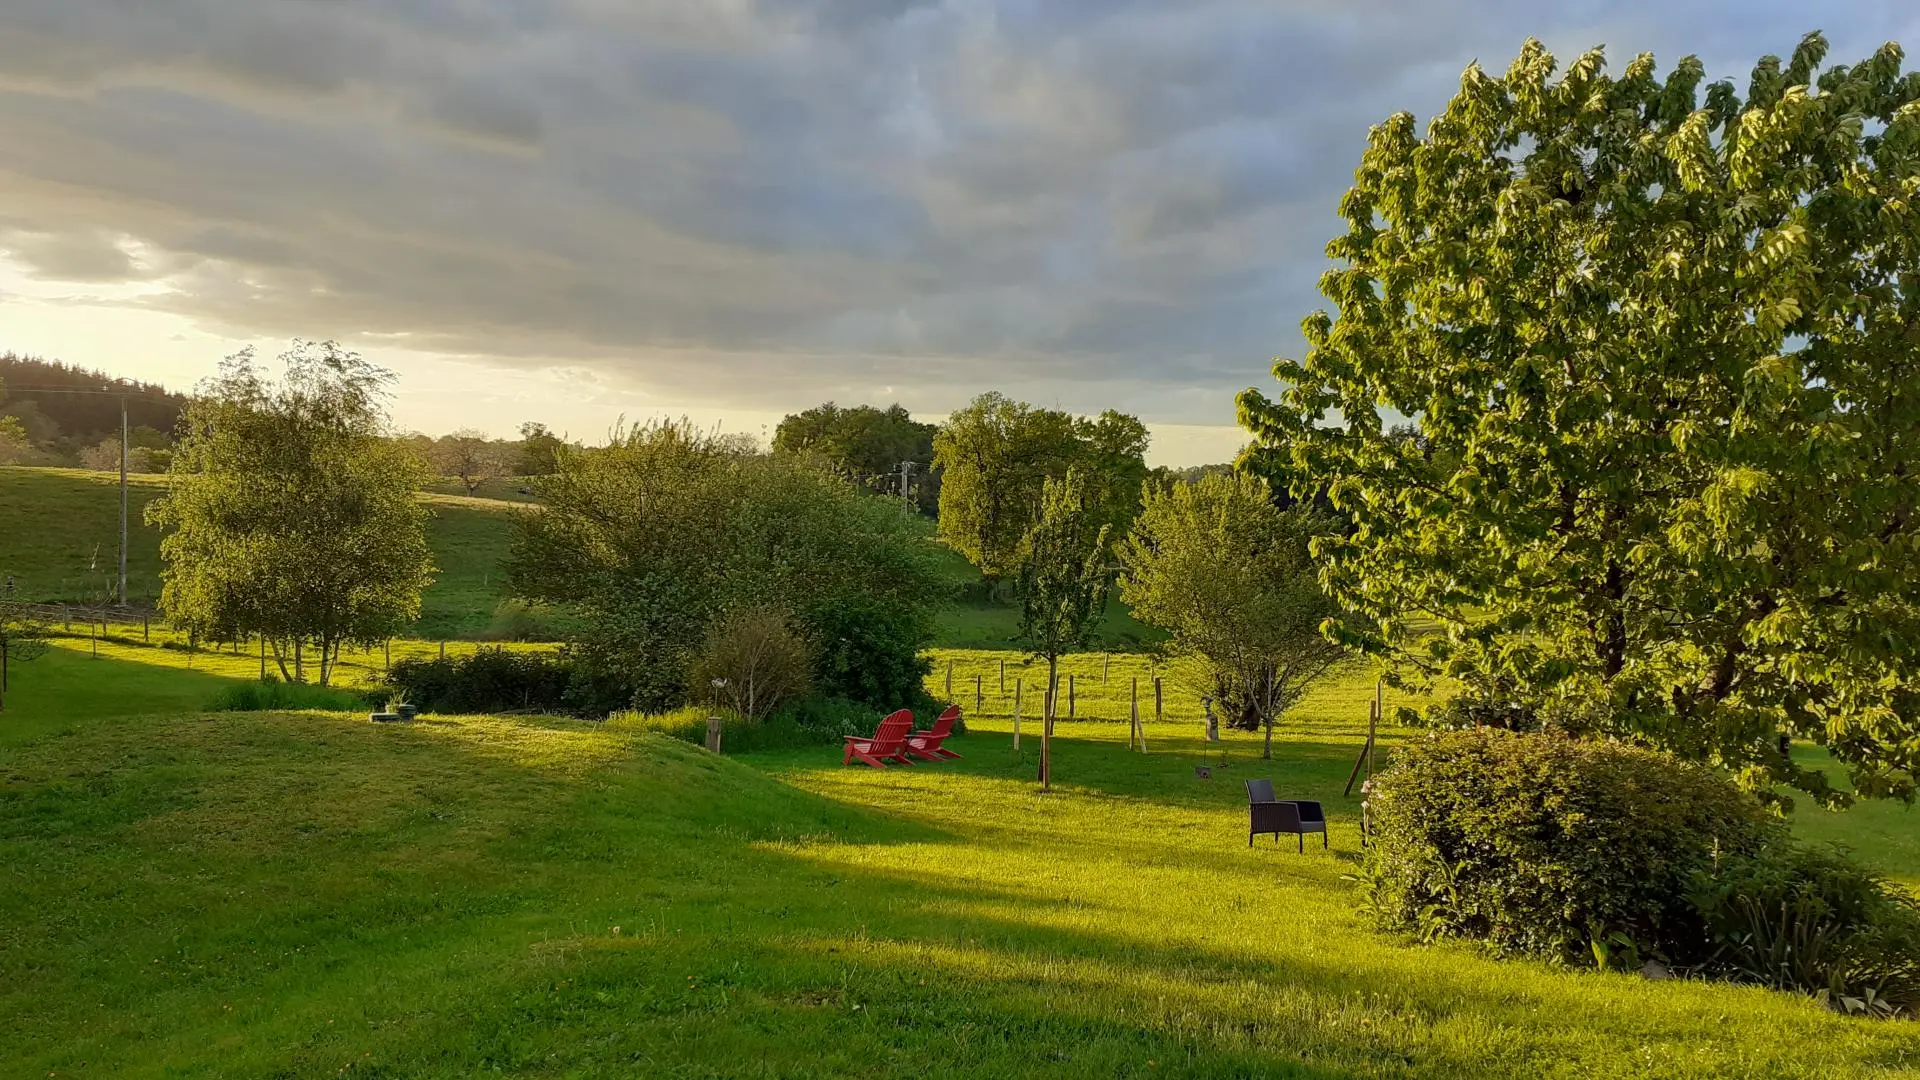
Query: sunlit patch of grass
[(308, 894)]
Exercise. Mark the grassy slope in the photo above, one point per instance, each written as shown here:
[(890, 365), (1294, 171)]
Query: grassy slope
[(302, 894), (60, 535)]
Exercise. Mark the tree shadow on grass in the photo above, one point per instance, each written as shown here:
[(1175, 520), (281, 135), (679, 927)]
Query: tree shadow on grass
[(448, 899)]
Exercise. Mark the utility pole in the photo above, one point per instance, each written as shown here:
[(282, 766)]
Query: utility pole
[(905, 468), (123, 500)]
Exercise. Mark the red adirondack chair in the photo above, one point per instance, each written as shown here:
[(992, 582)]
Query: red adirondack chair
[(926, 744), (888, 742)]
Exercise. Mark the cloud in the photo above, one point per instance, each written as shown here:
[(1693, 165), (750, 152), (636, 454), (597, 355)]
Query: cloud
[(760, 205)]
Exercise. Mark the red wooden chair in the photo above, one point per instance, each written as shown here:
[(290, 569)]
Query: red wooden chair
[(926, 744), (888, 742)]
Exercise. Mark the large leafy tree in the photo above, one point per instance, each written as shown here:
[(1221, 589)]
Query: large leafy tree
[(1230, 577), (996, 455), (655, 535), (290, 511), (866, 444), (1662, 348), (1063, 581)]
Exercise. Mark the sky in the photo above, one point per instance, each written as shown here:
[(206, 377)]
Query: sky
[(571, 211)]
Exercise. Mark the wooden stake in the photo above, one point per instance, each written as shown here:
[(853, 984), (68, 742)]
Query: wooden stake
[(1070, 697), (1003, 676), (1133, 725), (1158, 712), (1017, 685), (443, 650), (976, 695), (263, 658)]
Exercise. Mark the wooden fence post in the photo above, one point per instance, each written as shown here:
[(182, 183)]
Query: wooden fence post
[(263, 658), (146, 632), (1003, 675), (443, 650), (714, 728), (1133, 710), (1070, 697), (976, 695), (1017, 685), (1158, 714)]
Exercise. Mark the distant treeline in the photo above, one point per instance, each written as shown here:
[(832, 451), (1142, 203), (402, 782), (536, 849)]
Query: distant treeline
[(37, 394)]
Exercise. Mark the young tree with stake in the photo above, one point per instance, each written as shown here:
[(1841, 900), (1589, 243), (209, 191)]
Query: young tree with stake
[(1231, 579), (1062, 576)]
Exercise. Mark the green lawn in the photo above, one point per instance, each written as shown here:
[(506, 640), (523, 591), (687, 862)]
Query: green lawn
[(309, 894)]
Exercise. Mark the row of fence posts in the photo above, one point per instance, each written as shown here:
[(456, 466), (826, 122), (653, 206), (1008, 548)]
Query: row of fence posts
[(1136, 729), (97, 629)]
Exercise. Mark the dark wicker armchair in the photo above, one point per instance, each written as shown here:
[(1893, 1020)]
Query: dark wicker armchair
[(1269, 815)]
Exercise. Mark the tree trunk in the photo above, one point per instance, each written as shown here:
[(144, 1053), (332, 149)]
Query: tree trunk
[(1046, 726), (299, 661), (280, 659), (1266, 752)]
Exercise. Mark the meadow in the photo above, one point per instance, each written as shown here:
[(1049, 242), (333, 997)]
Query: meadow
[(63, 544), (60, 543), (306, 893)]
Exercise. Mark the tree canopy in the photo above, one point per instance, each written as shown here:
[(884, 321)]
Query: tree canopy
[(996, 455), (1659, 343), (1063, 585), (865, 444), (1230, 578), (656, 534), (290, 512)]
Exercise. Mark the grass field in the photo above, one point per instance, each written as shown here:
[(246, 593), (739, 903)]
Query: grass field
[(60, 530), (60, 537), (308, 894)]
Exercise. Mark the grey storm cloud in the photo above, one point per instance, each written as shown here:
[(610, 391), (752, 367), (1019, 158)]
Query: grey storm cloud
[(757, 204)]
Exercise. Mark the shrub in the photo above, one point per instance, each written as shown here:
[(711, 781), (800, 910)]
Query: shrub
[(753, 661), (651, 537), (273, 695), (870, 652), (1546, 845), (807, 722), (491, 680), (519, 620), (1795, 917)]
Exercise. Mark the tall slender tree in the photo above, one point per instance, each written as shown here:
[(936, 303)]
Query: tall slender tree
[(1063, 581)]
